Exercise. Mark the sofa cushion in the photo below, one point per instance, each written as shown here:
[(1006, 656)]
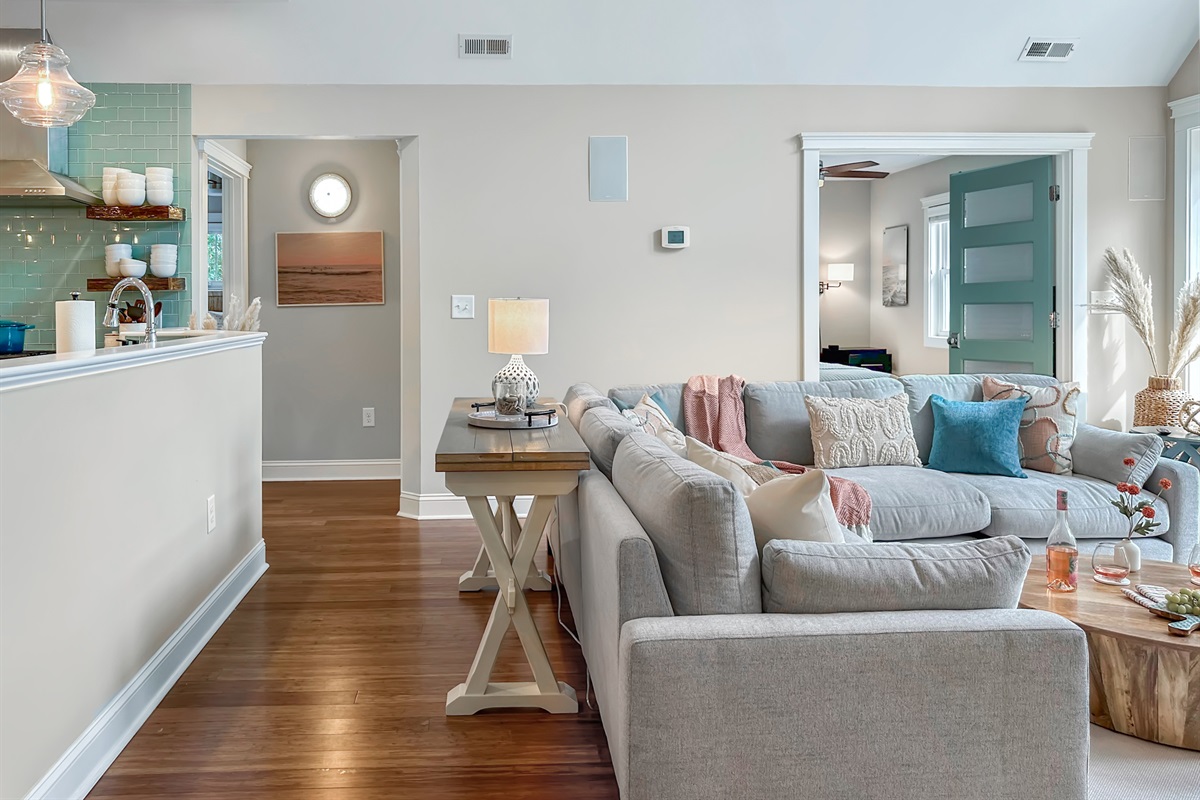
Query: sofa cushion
[(918, 503), (699, 525), (729, 467), (602, 429), (816, 578), (669, 397), (1047, 424), (1100, 453), (580, 397), (920, 388), (978, 438), (795, 507), (861, 432), (1027, 508), (777, 423)]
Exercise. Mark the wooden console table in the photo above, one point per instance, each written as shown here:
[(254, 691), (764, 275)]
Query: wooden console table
[(1145, 682), (480, 464)]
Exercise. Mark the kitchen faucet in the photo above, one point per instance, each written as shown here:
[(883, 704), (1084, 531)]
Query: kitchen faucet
[(110, 316)]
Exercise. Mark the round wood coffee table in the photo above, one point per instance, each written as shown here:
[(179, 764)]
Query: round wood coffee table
[(1145, 682)]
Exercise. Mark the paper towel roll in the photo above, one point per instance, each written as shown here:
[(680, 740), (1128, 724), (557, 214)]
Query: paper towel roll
[(74, 325)]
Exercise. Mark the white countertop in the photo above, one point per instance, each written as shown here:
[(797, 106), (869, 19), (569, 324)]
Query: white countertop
[(17, 373)]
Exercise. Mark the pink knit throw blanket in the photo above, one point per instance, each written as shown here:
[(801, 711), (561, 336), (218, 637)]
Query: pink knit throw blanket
[(714, 413)]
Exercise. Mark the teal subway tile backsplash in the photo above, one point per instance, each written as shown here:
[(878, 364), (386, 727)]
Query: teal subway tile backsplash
[(48, 252)]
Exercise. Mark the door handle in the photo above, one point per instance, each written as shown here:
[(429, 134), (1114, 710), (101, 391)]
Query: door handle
[(952, 340)]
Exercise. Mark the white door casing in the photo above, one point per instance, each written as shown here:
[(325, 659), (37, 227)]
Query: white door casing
[(211, 155)]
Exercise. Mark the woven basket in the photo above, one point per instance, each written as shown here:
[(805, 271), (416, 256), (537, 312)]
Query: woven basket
[(1160, 402)]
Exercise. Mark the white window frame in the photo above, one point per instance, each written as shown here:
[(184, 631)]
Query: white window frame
[(1186, 258), (935, 208)]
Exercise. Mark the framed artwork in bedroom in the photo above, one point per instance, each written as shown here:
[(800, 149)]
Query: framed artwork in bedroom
[(895, 265)]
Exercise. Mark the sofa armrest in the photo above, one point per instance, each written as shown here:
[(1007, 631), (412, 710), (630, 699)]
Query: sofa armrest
[(911, 704), (1183, 501)]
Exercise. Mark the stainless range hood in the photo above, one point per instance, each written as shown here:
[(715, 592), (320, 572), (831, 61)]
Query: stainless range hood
[(32, 160)]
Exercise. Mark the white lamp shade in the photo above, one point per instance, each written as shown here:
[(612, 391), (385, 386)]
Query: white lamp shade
[(840, 272), (518, 325)]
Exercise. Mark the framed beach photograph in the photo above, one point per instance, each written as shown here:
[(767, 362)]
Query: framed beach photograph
[(329, 268), (895, 265)]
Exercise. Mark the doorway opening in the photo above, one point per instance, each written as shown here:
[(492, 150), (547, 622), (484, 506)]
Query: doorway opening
[(215, 259), (1069, 174)]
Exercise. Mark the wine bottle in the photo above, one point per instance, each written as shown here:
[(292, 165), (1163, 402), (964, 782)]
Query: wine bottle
[(1062, 553)]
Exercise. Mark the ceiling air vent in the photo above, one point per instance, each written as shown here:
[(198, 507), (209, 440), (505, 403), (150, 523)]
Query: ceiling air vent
[(490, 46), (1040, 48)]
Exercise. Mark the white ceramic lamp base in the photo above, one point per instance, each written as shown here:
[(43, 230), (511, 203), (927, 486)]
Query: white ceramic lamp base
[(516, 371)]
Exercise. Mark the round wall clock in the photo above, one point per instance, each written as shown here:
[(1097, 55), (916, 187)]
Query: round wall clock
[(329, 195)]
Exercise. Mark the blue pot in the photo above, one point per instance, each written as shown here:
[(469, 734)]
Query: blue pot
[(12, 336)]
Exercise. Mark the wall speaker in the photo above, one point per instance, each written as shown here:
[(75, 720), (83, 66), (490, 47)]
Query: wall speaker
[(608, 169), (1147, 168)]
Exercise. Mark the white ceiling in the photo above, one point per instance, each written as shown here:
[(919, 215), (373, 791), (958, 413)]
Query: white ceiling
[(837, 42)]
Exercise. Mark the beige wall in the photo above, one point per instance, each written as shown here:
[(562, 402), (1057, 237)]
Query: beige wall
[(896, 200), (503, 210), (846, 237), (324, 364), (1187, 80), (103, 553)]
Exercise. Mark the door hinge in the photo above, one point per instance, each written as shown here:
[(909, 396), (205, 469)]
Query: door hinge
[(1055, 319), (1055, 194)]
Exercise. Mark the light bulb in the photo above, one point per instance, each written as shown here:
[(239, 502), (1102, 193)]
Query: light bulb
[(45, 93)]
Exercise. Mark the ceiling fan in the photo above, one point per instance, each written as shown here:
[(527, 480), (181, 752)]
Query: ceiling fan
[(852, 170)]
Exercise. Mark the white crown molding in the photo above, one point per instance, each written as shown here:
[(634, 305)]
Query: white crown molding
[(951, 143), (935, 200), (363, 469), (25, 372), (444, 505), (86, 760), (1184, 111), (227, 159)]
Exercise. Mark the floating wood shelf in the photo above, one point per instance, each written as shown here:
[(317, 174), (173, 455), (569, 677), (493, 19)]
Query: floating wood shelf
[(137, 213), (153, 284)]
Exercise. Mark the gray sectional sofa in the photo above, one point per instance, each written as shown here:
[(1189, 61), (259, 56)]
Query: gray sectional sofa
[(713, 698)]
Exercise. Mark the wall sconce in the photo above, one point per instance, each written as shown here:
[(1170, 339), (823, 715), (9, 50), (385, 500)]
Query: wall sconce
[(835, 274)]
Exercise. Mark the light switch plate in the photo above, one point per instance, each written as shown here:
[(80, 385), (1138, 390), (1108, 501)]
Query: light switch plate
[(462, 306)]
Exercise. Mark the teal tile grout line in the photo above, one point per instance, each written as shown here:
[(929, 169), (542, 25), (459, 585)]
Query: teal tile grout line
[(48, 252)]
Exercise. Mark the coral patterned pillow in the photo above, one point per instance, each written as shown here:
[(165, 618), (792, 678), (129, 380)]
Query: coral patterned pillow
[(1048, 424)]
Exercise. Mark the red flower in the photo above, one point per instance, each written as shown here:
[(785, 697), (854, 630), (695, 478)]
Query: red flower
[(1129, 462), (1122, 487), (1164, 484), (1148, 512), (1135, 489)]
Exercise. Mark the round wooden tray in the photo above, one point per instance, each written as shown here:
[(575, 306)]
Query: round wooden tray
[(486, 418)]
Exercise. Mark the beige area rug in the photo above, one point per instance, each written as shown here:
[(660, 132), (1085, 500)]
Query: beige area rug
[(1125, 768)]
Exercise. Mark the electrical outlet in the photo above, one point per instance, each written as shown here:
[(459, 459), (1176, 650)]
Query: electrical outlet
[(462, 306), (212, 512), (368, 418)]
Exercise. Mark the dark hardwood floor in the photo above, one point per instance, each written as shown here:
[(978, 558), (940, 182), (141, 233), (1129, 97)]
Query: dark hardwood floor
[(330, 679)]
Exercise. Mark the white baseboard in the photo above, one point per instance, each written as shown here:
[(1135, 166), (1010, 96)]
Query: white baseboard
[(85, 761), (363, 469), (444, 505)]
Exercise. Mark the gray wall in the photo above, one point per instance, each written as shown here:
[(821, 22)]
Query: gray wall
[(846, 238), (323, 364)]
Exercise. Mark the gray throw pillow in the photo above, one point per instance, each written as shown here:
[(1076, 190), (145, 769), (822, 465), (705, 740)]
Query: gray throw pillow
[(818, 578), (1100, 453)]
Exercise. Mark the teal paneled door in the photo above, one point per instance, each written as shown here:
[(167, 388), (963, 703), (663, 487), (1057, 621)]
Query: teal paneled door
[(1002, 269)]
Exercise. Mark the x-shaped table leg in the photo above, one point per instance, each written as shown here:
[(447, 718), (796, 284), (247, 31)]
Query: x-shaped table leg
[(481, 576), (512, 570)]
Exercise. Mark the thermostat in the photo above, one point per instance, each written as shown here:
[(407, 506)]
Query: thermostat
[(676, 236)]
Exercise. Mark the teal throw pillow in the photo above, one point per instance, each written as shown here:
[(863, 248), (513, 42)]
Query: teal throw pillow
[(977, 438)]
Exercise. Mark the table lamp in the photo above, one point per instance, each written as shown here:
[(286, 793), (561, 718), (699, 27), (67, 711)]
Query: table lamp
[(519, 326)]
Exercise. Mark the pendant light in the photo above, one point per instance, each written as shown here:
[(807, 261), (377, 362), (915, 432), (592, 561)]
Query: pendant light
[(42, 93)]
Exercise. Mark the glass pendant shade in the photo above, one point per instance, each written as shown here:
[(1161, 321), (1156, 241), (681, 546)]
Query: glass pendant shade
[(42, 93)]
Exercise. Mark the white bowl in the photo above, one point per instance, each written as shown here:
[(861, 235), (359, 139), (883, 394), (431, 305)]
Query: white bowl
[(109, 195), (160, 197), (152, 184), (162, 270), (165, 172), (131, 176), (164, 248), (112, 269), (131, 195), (157, 259), (111, 173), (133, 268)]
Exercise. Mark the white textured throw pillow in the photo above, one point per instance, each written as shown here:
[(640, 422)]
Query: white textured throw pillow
[(727, 466), (648, 416), (862, 432), (795, 507)]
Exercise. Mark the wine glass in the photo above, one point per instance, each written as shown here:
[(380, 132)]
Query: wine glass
[(1194, 564), (1108, 566)]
